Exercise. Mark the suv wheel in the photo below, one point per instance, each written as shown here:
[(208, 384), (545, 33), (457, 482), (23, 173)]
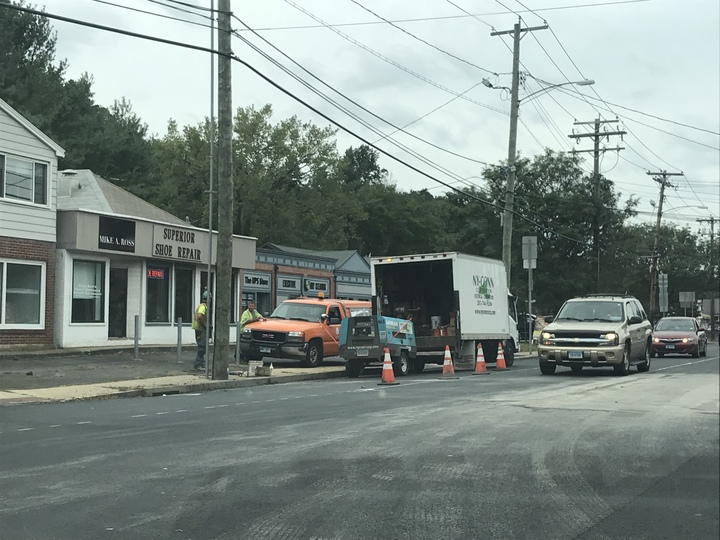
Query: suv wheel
[(547, 368), (314, 355), (645, 365), (623, 368)]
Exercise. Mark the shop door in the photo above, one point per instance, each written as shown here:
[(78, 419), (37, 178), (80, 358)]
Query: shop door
[(117, 323)]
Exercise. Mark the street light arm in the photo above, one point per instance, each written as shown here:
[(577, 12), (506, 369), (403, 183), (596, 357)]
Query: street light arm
[(584, 82)]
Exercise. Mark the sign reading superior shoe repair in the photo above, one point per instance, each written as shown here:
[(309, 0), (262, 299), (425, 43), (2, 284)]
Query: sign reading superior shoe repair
[(179, 244)]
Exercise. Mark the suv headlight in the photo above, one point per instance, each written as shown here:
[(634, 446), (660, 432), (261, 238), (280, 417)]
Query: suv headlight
[(547, 335), (298, 337), (612, 337)]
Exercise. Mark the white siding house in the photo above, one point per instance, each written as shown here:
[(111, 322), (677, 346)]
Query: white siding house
[(28, 197)]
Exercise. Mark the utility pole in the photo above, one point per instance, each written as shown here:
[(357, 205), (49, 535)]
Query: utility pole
[(713, 281), (597, 136), (517, 33), (662, 179), (225, 195), (211, 188)]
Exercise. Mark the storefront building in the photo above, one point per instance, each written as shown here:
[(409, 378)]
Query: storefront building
[(120, 258), (283, 272), (28, 184)]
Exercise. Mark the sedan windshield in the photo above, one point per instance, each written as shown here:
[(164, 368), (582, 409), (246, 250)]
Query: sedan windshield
[(591, 310), (675, 325), (298, 311)]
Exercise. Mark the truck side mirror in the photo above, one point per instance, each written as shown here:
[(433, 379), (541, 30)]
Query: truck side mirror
[(323, 318), (548, 318)]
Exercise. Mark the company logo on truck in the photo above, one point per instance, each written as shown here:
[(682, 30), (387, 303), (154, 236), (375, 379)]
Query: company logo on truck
[(484, 286)]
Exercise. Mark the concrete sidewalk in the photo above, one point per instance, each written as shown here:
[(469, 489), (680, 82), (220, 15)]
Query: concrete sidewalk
[(102, 373)]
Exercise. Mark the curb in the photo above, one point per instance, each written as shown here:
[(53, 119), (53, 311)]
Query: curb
[(54, 353)]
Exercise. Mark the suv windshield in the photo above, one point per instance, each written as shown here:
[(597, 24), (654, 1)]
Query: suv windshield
[(676, 325), (591, 310), (297, 311)]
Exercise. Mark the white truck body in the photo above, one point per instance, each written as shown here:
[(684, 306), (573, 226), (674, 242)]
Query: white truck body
[(469, 295)]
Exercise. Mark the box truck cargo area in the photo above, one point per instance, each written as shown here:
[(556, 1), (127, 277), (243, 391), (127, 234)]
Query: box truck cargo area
[(453, 299)]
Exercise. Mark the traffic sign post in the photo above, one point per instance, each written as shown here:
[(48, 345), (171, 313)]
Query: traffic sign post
[(529, 253)]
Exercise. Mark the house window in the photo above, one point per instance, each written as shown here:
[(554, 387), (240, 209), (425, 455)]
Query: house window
[(158, 294), (21, 291), (184, 299), (88, 304), (23, 180)]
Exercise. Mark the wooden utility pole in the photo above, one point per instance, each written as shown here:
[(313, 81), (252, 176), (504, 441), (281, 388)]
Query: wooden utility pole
[(225, 195), (662, 179), (597, 135), (713, 280), (517, 33)]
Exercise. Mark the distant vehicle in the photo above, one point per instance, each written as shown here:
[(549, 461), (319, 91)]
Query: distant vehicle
[(679, 335), (305, 329), (597, 331), (363, 340)]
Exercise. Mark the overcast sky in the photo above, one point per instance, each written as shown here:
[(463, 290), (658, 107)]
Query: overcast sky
[(659, 57)]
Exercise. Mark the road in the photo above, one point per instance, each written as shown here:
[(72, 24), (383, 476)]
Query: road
[(512, 455)]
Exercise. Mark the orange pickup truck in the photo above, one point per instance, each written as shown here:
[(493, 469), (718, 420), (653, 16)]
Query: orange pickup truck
[(305, 329)]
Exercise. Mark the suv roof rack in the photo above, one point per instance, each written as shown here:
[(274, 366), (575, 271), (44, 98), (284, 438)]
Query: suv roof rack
[(605, 295)]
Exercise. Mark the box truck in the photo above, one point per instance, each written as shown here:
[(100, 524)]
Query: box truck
[(454, 300)]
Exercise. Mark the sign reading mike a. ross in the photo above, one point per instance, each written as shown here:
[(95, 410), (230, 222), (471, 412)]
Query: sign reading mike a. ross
[(116, 234)]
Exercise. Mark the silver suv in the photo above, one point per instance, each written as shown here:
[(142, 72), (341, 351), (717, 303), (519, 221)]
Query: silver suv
[(597, 331)]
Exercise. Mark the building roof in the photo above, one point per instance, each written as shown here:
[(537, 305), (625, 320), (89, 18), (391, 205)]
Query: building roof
[(5, 106), (84, 190), (340, 256)]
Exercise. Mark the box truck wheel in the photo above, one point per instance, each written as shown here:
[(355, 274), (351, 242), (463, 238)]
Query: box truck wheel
[(354, 368), (314, 355), (509, 351), (401, 364)]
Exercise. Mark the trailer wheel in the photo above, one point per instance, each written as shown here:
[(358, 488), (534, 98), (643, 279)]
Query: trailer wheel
[(401, 364), (417, 366), (354, 368)]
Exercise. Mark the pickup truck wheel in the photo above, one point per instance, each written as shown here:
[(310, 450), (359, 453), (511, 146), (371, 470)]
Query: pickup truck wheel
[(623, 368), (354, 368), (418, 366), (547, 368), (314, 354), (401, 364)]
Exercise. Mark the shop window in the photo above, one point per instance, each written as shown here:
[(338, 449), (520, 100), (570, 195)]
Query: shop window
[(157, 295), (233, 295), (184, 299), (88, 292), (23, 180), (21, 286)]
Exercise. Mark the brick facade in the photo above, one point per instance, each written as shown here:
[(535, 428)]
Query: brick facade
[(32, 250)]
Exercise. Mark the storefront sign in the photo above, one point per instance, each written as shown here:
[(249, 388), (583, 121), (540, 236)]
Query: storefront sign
[(156, 273), (178, 244), (289, 283), (316, 286), (256, 282), (116, 234)]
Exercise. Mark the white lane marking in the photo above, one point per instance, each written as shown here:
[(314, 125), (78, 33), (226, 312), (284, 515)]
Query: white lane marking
[(257, 402), (56, 425), (211, 407), (313, 395), (163, 412), (270, 400), (687, 364), (222, 406), (300, 397), (138, 415), (86, 422), (181, 410), (26, 429)]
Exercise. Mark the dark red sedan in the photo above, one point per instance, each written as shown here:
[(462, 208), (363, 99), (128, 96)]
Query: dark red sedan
[(678, 335)]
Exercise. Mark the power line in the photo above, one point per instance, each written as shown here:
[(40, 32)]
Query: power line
[(390, 61), (289, 94), (186, 4), (176, 8), (137, 10), (429, 44), (327, 85), (442, 17)]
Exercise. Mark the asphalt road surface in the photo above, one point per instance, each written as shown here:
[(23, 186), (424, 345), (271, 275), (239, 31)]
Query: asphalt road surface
[(512, 455)]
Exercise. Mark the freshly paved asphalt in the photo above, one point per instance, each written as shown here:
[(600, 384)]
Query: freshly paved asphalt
[(512, 455)]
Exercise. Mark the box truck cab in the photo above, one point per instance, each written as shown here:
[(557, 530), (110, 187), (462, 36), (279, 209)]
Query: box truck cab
[(454, 299)]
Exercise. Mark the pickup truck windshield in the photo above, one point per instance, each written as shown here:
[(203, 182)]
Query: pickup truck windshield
[(297, 311)]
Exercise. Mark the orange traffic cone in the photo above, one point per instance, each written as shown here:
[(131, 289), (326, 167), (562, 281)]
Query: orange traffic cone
[(448, 368), (480, 367), (500, 362), (388, 377)]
